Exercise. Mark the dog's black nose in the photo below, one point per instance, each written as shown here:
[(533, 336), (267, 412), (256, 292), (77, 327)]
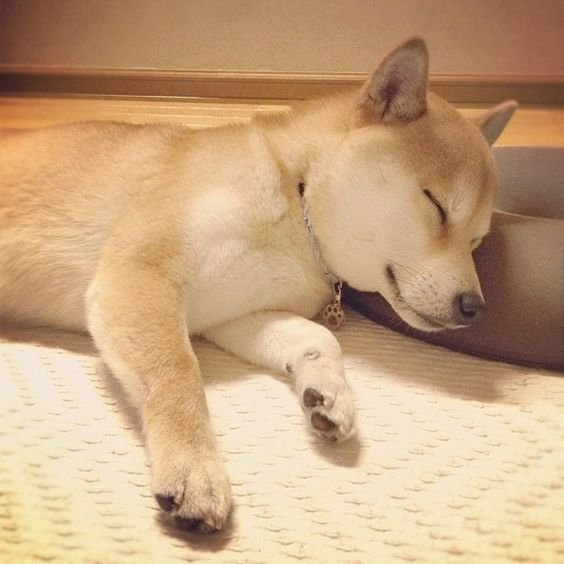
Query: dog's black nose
[(469, 308)]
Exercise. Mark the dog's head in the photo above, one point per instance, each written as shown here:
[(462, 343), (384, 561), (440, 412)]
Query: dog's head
[(408, 195)]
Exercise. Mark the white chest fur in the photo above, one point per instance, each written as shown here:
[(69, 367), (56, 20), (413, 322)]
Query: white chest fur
[(249, 243)]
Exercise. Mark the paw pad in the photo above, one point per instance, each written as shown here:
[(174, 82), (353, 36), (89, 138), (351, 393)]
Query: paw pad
[(312, 398), (322, 423)]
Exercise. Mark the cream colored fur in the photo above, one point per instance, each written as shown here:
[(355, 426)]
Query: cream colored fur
[(145, 235)]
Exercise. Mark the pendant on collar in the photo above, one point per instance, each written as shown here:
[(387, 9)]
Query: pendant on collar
[(333, 314)]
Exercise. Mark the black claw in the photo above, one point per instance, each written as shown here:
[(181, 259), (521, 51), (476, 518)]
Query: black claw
[(166, 502), (187, 524), (193, 525)]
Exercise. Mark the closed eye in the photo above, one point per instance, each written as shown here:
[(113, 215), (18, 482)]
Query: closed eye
[(440, 209)]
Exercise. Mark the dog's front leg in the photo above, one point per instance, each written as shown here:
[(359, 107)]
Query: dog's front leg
[(309, 352), (137, 318)]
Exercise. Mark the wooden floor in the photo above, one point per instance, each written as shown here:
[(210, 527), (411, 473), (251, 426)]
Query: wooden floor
[(530, 126)]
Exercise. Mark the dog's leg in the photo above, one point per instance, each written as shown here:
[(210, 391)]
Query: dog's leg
[(306, 350), (136, 316)]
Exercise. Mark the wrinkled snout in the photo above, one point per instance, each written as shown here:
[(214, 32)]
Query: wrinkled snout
[(436, 294)]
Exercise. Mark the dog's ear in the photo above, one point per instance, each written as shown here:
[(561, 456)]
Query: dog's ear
[(493, 121), (397, 90)]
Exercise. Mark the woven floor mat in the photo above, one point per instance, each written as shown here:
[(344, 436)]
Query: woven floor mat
[(457, 460)]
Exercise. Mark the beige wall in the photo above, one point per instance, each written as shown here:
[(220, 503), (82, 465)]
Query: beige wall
[(491, 37)]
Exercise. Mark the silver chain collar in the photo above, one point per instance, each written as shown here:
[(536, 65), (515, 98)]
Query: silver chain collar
[(332, 314)]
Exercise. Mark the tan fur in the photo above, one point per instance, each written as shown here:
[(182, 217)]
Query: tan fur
[(144, 235)]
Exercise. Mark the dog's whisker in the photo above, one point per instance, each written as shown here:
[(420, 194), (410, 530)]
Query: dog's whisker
[(411, 271)]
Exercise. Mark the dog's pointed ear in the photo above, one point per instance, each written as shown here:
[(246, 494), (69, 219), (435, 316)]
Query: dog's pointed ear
[(493, 121), (397, 91)]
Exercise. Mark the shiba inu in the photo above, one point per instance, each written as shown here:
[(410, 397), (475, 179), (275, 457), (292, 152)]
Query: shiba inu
[(146, 235)]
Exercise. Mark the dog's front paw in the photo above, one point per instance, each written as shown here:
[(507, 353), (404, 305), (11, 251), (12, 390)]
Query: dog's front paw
[(193, 489), (327, 401)]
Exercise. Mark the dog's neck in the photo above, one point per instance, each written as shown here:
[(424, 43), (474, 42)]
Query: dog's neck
[(300, 141), (299, 137)]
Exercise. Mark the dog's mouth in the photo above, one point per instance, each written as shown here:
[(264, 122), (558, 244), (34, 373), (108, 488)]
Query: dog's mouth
[(410, 315)]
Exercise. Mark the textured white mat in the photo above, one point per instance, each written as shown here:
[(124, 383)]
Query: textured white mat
[(457, 460)]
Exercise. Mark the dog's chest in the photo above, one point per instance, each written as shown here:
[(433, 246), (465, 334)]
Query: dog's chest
[(249, 249), (247, 288), (251, 262)]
